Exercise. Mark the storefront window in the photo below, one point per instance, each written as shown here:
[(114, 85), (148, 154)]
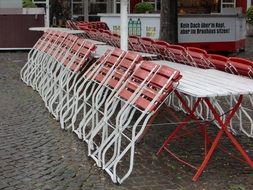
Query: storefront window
[(228, 4), (98, 6), (155, 3), (197, 6), (117, 6), (77, 8)]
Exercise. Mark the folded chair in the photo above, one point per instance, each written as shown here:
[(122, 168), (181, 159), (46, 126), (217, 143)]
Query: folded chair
[(148, 45), (200, 57), (53, 71), (46, 58), (142, 94), (35, 54), (78, 57), (220, 62), (115, 40), (84, 88), (178, 54), (51, 61), (243, 67), (134, 44), (106, 90), (240, 66), (161, 48)]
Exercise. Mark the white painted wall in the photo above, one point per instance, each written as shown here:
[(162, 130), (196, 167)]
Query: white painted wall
[(248, 3), (10, 4)]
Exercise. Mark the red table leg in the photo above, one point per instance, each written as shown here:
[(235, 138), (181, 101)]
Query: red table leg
[(219, 135), (215, 143), (179, 127)]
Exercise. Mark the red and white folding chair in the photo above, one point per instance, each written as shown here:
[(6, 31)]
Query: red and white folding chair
[(179, 54), (200, 57), (53, 70), (78, 58), (47, 58), (142, 94), (161, 48), (148, 45), (219, 61), (106, 91), (36, 54), (134, 43), (85, 87)]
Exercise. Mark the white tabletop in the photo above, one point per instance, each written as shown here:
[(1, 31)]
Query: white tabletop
[(56, 28), (198, 82), (95, 42), (101, 49), (147, 55)]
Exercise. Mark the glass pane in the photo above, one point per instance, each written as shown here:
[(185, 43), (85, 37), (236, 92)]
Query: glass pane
[(228, 1), (77, 9), (118, 8), (97, 8)]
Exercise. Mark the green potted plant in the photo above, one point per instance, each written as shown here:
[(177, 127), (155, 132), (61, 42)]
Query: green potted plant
[(249, 21), (143, 7), (28, 4)]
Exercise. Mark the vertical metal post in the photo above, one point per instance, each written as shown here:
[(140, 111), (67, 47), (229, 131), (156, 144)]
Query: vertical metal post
[(47, 20), (86, 10), (124, 25)]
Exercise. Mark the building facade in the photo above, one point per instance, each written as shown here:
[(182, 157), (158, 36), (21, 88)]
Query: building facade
[(88, 9)]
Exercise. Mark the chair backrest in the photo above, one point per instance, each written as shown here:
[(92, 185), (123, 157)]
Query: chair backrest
[(142, 73), (56, 40), (179, 54), (115, 40), (124, 69), (240, 66), (85, 30), (157, 89), (106, 65), (219, 61), (148, 45), (71, 24), (200, 57), (43, 40), (135, 44), (149, 85), (66, 46), (79, 54), (161, 48), (93, 33), (105, 36)]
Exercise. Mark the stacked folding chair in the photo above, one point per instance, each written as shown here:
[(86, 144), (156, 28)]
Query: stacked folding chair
[(78, 59), (200, 57), (54, 65), (108, 86), (84, 89), (138, 98), (52, 71), (39, 54)]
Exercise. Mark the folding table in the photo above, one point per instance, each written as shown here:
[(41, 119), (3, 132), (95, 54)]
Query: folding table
[(95, 42), (204, 85), (43, 29), (101, 49)]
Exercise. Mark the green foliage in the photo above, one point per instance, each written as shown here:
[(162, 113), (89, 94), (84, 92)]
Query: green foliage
[(28, 4), (143, 7), (250, 15)]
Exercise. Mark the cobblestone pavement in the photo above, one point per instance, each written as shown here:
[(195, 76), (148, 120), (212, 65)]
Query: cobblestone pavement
[(36, 154)]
